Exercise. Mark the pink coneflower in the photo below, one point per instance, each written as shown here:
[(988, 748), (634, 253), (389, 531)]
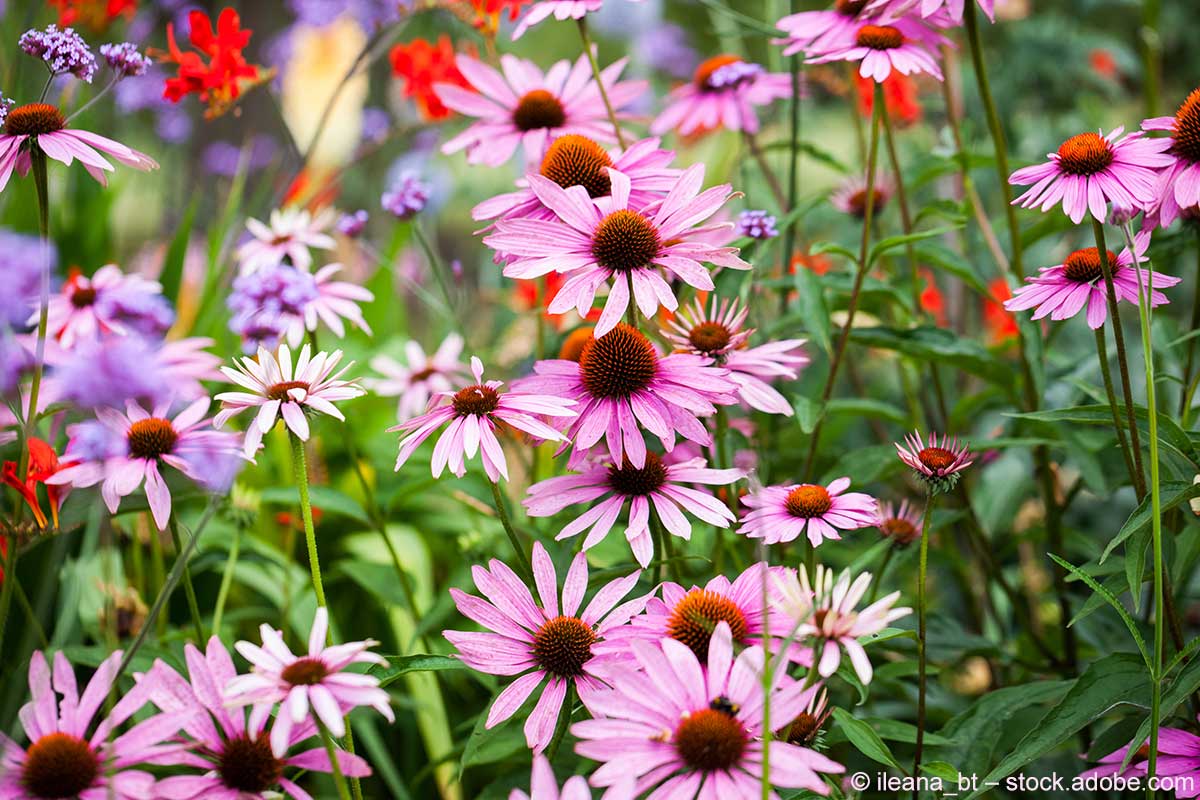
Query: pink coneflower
[(147, 442), (952, 10), (902, 525), (335, 301), (691, 615), (108, 302), (851, 195), (805, 729), (1178, 757), (186, 362), (316, 678), (43, 125), (904, 45), (277, 389), (619, 247), (609, 486), (1091, 170), (472, 417), (543, 786), (782, 513), (235, 756), (718, 334), (574, 160), (421, 378), (723, 93), (1178, 185), (526, 107), (62, 760), (937, 462), (823, 31), (543, 644), (696, 732), (559, 9), (1062, 291), (622, 385), (825, 611), (288, 237)]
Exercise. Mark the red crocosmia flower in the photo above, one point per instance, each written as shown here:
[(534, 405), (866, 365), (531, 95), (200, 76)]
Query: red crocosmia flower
[(43, 462), (526, 293), (95, 14), (933, 301), (818, 264), (220, 79), (1103, 63), (1001, 324), (420, 65), (487, 12), (295, 521), (899, 97)]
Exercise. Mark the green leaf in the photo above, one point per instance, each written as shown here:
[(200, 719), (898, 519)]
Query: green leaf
[(867, 407), (947, 260), (890, 243), (487, 746), (865, 739), (1174, 694), (1169, 432), (814, 311), (940, 769), (893, 730), (1110, 681), (172, 270), (976, 731), (1111, 599), (939, 346), (421, 662), (1173, 493), (820, 248), (808, 412)]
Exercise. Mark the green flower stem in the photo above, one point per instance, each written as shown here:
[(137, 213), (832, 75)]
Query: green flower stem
[(1122, 363), (339, 780), (435, 265), (868, 215), (227, 579), (789, 234), (300, 470), (188, 588), (905, 212), (590, 52), (666, 548), (10, 582), (1102, 357), (523, 565), (883, 565), (922, 568), (37, 161), (769, 175), (767, 679)]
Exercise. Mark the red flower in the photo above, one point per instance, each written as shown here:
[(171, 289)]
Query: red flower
[(1001, 324), (899, 97), (421, 65), (933, 301), (218, 81), (96, 14), (488, 11), (818, 264), (1103, 63), (526, 294), (43, 462)]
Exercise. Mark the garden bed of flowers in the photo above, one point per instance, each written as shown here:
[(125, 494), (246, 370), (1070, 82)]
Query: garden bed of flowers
[(669, 399)]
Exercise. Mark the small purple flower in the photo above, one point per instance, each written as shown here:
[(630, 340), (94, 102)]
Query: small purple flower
[(173, 124), (353, 224), (407, 197), (224, 158), (734, 74), (146, 313), (14, 361), (125, 59), (64, 51), (265, 303), (112, 372), (756, 225), (5, 104), (22, 258), (665, 48), (376, 124)]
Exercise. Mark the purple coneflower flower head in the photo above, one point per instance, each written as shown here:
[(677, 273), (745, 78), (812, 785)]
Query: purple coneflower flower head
[(609, 486), (825, 610), (1178, 757), (574, 160), (1178, 186), (723, 92), (937, 462), (421, 377), (952, 10), (187, 362), (619, 247), (274, 388), (904, 45), (851, 195), (22, 261), (43, 126), (352, 225), (316, 679), (756, 225), (97, 374), (289, 236), (152, 440), (783, 513), (805, 729), (62, 760), (545, 644), (718, 333), (407, 196), (64, 51), (265, 302), (692, 731), (1091, 170), (902, 525), (109, 302), (524, 107), (621, 385), (472, 416), (1062, 291), (124, 59), (543, 786), (691, 615), (234, 756), (823, 31)]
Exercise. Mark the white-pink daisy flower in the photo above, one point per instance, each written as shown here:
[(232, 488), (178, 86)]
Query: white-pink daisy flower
[(287, 236), (784, 513), (952, 10), (335, 301), (723, 93), (423, 376), (559, 9)]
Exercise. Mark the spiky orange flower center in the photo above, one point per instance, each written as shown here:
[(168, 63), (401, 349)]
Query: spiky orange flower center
[(899, 530), (59, 765), (624, 241), (858, 202), (696, 616), (936, 458), (808, 500), (1187, 128), (305, 672), (879, 37), (563, 645), (151, 438), (34, 119), (539, 109), (632, 481), (574, 160), (709, 337), (1083, 266), (279, 391), (248, 765), (478, 400), (620, 363), (711, 739), (1085, 154), (705, 71), (803, 729)]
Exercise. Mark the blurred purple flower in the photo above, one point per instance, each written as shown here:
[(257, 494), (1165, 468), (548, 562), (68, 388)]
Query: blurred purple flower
[(222, 158), (370, 14), (148, 314), (407, 196), (173, 125), (756, 225), (353, 224), (665, 47), (112, 371), (21, 260), (93, 441), (266, 302), (6, 103), (125, 59), (376, 124), (14, 361), (64, 51)]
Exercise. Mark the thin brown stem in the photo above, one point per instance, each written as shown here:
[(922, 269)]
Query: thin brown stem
[(1102, 357), (590, 52)]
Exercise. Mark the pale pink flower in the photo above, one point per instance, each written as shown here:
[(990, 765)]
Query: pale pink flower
[(335, 301), (823, 31), (86, 308), (524, 107), (316, 679), (289, 236), (783, 513), (723, 93), (560, 10), (1178, 185), (952, 10), (620, 247), (543, 644), (902, 525), (904, 45), (424, 376), (850, 197), (543, 786), (938, 462)]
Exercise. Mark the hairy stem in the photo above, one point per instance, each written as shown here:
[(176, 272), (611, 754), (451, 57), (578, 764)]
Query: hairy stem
[(922, 568), (188, 589), (590, 52), (523, 565), (300, 471), (1102, 356)]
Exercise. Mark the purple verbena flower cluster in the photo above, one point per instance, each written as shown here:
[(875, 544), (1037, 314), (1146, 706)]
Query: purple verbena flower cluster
[(353, 224), (756, 225), (22, 257), (64, 51), (732, 75), (265, 302), (125, 59), (407, 197)]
